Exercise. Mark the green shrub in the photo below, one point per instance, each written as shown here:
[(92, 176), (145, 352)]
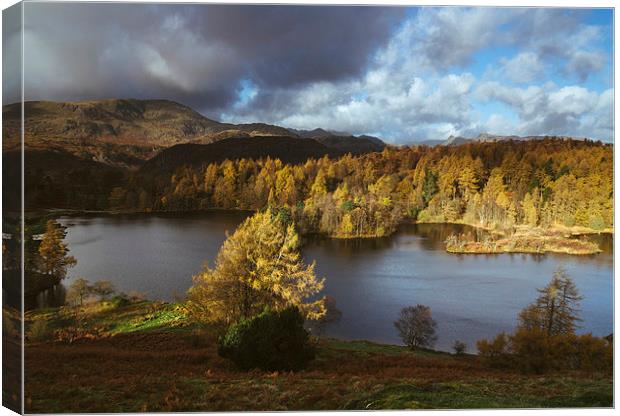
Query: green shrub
[(423, 215), (120, 300), (413, 213), (271, 341), (39, 331)]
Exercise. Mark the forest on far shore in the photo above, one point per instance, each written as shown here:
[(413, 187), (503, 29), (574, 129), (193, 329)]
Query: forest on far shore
[(539, 183), (536, 184)]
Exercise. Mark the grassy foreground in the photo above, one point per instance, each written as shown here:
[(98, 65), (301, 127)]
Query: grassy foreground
[(146, 357)]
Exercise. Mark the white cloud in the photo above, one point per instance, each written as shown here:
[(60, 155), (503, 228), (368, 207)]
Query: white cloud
[(571, 110), (400, 110), (498, 124), (524, 67), (559, 36), (573, 100), (440, 38)]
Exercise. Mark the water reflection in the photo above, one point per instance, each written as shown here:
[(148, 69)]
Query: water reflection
[(52, 297)]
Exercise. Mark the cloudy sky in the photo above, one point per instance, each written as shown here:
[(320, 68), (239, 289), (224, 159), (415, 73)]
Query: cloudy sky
[(404, 74)]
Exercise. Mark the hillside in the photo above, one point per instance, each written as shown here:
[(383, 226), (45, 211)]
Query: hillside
[(351, 144), (147, 358), (58, 179), (287, 149), (346, 142), (120, 121), (117, 132), (127, 132)]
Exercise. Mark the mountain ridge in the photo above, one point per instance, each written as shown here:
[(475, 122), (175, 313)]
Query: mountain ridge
[(488, 137), (127, 132)]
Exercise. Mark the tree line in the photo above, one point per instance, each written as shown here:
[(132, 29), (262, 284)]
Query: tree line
[(541, 183)]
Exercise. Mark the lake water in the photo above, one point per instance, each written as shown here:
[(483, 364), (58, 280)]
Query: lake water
[(471, 296)]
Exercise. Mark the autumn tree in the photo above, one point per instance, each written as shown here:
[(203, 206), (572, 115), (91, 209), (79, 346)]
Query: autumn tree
[(53, 252), (556, 310), (258, 266), (530, 210), (416, 326), (537, 183), (224, 190), (545, 337)]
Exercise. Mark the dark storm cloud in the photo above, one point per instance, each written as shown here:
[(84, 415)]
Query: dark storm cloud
[(399, 73), (196, 54), (291, 45)]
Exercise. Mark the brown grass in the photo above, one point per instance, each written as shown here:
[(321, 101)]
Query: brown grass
[(158, 371), (525, 240)]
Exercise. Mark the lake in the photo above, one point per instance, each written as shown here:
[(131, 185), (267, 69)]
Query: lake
[(471, 296)]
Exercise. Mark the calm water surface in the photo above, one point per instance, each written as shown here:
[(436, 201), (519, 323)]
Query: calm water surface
[(471, 296)]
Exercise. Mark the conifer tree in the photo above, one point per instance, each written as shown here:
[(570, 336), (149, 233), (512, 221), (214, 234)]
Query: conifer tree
[(556, 310), (258, 266)]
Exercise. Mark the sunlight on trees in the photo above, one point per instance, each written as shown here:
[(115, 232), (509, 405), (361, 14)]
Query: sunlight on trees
[(539, 183), (53, 252), (259, 265)]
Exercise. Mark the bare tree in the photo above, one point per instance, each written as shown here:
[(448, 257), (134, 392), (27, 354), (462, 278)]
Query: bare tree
[(103, 288), (416, 326), (78, 291)]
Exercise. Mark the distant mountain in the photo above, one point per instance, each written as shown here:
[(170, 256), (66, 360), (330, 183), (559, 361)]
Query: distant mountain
[(127, 132), (287, 149), (343, 141), (373, 139), (487, 137), (120, 121), (431, 142), (313, 134), (351, 144), (455, 141), (118, 131)]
